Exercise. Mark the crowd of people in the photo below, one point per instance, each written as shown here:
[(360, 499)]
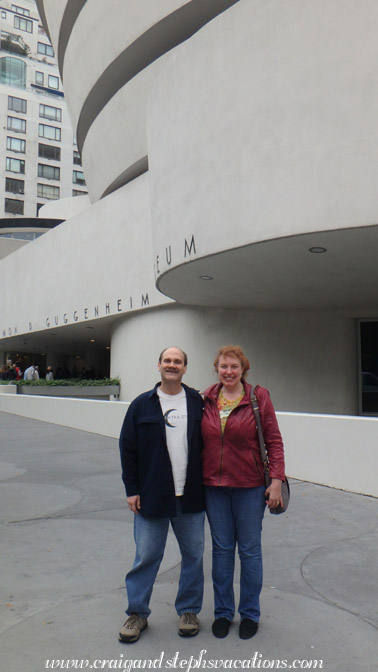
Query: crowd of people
[(11, 372)]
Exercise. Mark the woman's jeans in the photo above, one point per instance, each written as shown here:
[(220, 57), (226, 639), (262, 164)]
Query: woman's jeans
[(235, 516), (150, 536)]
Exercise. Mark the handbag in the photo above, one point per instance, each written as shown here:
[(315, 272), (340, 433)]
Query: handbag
[(265, 460)]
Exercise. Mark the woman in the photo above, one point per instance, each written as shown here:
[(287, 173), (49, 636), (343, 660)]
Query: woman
[(236, 495)]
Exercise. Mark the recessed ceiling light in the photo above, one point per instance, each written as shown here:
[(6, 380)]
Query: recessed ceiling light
[(92, 340), (317, 250), (206, 277)]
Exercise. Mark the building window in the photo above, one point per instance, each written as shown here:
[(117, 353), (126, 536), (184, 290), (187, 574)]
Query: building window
[(76, 157), (20, 10), (53, 82), (48, 172), (45, 49), (49, 152), (13, 71), (23, 24), (78, 177), (39, 78), (15, 165), (3, 15), (77, 192), (39, 206), (16, 144), (15, 186), (47, 191), (368, 364), (48, 112), (17, 104), (49, 132), (16, 124), (14, 206)]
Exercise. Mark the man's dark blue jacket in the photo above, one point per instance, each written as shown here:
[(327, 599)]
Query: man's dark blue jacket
[(146, 465)]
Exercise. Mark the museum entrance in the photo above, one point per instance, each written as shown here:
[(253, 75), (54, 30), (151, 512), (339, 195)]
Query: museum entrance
[(368, 367)]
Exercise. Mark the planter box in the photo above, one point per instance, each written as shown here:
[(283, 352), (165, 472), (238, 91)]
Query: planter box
[(76, 392), (8, 389)]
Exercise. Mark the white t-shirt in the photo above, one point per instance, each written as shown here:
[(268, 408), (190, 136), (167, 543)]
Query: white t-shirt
[(175, 415)]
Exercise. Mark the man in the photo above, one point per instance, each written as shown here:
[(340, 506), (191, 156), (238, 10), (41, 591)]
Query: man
[(29, 373), (160, 447), (49, 373)]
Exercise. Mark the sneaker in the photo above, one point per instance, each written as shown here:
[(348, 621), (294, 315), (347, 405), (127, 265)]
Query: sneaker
[(188, 625), (132, 627), (247, 628), (221, 627)]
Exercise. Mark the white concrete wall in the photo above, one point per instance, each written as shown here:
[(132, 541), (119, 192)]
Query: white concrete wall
[(112, 150), (307, 359), (10, 245), (103, 255), (99, 417), (336, 451), (65, 208), (8, 389), (114, 25), (264, 124)]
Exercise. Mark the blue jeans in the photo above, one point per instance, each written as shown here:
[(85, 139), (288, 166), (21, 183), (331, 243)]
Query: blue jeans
[(150, 536), (235, 516)]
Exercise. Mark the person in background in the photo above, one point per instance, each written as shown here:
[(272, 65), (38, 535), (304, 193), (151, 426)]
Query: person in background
[(12, 373), (49, 373), (29, 372), (236, 495), (160, 446)]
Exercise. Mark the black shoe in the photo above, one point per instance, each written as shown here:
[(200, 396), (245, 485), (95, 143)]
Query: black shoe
[(221, 627), (247, 628)]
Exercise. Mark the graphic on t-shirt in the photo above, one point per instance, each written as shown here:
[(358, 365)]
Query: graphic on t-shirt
[(166, 414)]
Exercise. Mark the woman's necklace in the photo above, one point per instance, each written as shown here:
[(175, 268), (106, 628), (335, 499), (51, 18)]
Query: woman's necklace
[(226, 406), (232, 396)]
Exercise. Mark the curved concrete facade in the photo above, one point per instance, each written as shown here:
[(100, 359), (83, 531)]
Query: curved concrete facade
[(221, 141), (272, 136)]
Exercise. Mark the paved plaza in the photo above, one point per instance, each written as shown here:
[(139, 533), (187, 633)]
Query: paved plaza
[(67, 540)]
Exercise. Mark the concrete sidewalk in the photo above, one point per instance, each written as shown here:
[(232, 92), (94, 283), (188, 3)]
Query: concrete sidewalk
[(66, 543)]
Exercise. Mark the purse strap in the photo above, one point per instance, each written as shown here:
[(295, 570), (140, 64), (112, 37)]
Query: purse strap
[(256, 411)]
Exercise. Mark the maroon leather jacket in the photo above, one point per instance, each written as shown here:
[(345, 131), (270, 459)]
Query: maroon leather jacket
[(234, 459)]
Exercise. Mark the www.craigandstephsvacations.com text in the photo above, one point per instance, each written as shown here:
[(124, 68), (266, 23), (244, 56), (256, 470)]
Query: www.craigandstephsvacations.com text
[(255, 662)]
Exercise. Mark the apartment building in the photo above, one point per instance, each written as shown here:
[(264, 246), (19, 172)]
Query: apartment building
[(40, 159)]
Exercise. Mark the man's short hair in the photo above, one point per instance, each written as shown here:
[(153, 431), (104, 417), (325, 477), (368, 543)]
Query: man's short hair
[(185, 356)]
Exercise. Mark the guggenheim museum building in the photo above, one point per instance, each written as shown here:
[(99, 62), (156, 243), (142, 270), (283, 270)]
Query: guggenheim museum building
[(230, 151)]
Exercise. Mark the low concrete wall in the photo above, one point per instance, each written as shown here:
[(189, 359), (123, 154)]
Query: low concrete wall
[(332, 450), (8, 389), (74, 391), (89, 415)]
